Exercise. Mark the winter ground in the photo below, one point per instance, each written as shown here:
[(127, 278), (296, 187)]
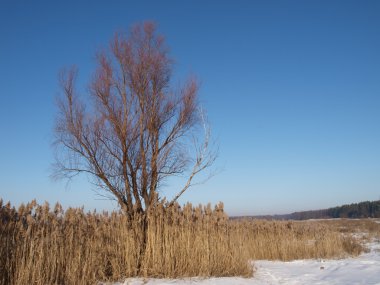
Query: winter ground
[(364, 269)]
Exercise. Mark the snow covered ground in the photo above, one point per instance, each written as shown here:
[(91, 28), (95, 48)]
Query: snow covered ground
[(364, 269)]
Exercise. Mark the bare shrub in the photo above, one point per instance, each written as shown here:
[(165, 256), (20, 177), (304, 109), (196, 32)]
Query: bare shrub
[(132, 130)]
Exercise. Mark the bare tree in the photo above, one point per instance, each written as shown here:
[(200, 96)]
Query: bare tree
[(135, 130)]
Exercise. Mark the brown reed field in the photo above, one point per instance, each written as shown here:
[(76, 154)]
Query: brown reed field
[(40, 245), (363, 230)]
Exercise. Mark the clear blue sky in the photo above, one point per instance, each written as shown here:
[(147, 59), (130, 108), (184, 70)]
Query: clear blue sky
[(292, 90)]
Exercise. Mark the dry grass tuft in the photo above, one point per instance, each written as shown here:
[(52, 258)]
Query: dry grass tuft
[(41, 245)]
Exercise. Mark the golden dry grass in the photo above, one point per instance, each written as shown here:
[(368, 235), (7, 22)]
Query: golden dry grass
[(51, 246), (359, 230), (290, 240), (367, 226)]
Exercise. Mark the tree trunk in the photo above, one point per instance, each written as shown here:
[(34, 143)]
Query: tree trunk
[(141, 235)]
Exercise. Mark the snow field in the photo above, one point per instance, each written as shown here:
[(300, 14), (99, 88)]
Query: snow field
[(364, 269)]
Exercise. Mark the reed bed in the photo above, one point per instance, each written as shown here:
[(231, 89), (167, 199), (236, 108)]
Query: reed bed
[(291, 240), (362, 230), (367, 226), (41, 245)]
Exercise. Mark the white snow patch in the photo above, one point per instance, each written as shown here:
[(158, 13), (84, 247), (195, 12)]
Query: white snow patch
[(364, 269)]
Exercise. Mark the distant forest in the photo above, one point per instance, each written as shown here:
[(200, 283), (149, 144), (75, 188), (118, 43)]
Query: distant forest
[(353, 211)]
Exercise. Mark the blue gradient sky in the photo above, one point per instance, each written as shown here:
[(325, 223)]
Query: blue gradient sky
[(292, 90)]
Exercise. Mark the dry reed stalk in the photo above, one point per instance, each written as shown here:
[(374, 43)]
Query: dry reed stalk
[(51, 246)]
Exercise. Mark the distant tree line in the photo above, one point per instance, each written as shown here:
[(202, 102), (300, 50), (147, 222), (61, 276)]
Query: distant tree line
[(366, 209), (360, 210)]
